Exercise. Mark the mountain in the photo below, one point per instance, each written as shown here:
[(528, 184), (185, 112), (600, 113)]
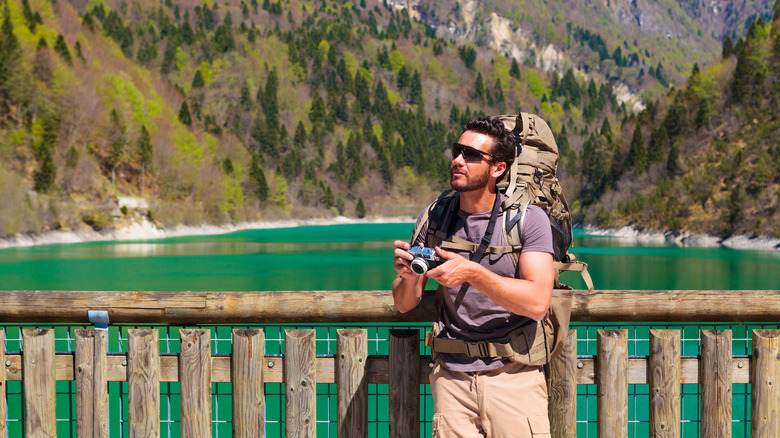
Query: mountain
[(235, 111)]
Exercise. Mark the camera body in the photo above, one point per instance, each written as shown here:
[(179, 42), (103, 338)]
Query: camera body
[(424, 259)]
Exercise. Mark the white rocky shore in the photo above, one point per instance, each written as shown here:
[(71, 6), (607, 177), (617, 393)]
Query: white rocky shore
[(144, 229), (687, 239)]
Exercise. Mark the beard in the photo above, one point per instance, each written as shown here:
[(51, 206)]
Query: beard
[(469, 182)]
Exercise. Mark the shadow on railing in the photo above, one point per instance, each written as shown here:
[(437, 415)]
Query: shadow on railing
[(404, 369)]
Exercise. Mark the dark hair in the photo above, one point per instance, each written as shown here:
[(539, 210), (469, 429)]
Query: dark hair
[(503, 147)]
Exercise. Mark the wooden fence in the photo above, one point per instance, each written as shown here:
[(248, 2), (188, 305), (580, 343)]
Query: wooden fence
[(352, 369)]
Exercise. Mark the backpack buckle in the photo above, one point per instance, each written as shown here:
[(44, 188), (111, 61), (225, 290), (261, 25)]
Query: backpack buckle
[(476, 349)]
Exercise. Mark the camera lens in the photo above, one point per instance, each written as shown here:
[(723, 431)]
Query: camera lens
[(419, 266)]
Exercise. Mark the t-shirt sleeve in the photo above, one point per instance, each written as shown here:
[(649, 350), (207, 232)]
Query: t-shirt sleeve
[(537, 233)]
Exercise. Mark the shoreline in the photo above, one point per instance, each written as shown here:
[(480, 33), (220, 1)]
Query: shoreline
[(146, 230), (686, 239)]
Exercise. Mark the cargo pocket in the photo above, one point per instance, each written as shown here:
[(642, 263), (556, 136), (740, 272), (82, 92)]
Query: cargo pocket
[(436, 425), (540, 426)]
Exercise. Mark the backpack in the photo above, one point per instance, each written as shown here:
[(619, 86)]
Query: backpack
[(531, 179)]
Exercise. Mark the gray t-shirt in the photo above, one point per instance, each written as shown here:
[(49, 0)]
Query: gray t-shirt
[(465, 313)]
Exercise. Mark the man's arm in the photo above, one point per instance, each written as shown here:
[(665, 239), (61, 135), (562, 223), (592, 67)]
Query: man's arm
[(529, 295), (407, 286)]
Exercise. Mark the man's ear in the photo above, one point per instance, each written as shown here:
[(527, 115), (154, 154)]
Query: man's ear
[(499, 168)]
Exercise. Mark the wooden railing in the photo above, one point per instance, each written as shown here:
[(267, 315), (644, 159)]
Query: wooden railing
[(248, 368)]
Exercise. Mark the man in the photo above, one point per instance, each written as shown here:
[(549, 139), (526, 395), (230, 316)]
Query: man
[(484, 299)]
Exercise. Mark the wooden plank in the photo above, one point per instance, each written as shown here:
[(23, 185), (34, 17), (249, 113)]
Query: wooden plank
[(378, 369), (143, 383), (195, 378), (91, 383), (404, 384), (612, 378), (765, 381), (3, 380), (716, 382), (179, 308), (300, 381), (247, 377), (351, 382), (39, 383), (562, 406), (664, 373)]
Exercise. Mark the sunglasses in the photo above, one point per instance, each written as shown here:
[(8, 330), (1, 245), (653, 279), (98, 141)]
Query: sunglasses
[(470, 154)]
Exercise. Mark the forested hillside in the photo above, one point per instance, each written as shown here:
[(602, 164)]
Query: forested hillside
[(239, 110)]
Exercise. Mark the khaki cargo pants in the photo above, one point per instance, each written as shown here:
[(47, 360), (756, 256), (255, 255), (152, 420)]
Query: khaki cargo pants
[(508, 402)]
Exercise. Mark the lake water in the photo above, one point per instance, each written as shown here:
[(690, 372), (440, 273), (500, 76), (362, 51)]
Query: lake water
[(353, 257), (346, 257)]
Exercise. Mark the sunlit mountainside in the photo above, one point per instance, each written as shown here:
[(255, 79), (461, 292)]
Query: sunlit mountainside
[(665, 113)]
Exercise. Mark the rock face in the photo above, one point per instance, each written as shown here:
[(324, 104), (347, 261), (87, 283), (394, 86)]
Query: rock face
[(691, 25)]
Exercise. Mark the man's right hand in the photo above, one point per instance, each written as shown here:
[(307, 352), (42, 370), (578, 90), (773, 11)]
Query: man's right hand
[(402, 259)]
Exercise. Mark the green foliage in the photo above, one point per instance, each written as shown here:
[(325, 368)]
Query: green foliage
[(468, 54), (535, 83), (61, 47), (360, 208), (184, 114)]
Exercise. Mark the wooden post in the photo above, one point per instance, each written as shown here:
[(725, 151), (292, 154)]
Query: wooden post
[(3, 409), (143, 382), (352, 382), (563, 390), (404, 384), (765, 381), (40, 385), (91, 374), (612, 378), (195, 379), (665, 378), (300, 378), (716, 379), (246, 373)]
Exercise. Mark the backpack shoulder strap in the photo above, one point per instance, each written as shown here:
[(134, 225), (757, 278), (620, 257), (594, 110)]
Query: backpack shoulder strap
[(437, 216)]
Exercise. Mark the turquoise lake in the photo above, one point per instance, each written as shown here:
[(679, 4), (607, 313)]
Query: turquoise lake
[(346, 257)]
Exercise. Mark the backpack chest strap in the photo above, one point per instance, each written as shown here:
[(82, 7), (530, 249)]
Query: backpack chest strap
[(458, 244)]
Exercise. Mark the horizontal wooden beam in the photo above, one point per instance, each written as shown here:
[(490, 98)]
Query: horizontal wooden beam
[(378, 369), (270, 307)]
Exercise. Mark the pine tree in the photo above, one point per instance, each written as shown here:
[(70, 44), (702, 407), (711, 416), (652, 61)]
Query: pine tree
[(145, 152), (184, 114), (403, 78), (514, 71), (317, 111), (479, 88), (637, 154), (270, 101), (362, 93), (360, 208), (245, 98), (499, 92), (299, 139), (728, 48), (258, 176), (197, 80), (61, 47), (415, 88)]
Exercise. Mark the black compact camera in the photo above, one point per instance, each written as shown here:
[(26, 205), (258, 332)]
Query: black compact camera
[(424, 259)]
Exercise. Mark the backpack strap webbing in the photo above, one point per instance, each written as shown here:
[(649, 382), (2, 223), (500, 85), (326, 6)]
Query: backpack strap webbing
[(577, 266)]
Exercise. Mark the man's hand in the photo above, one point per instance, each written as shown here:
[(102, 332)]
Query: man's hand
[(402, 260), (455, 270)]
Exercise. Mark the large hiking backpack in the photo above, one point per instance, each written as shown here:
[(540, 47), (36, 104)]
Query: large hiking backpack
[(531, 179)]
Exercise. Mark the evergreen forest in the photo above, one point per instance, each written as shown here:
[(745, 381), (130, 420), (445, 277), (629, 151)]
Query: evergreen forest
[(249, 110)]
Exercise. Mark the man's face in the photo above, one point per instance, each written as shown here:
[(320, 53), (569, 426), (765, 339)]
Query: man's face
[(468, 175)]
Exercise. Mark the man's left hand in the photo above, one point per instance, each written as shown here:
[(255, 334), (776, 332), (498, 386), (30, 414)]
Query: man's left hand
[(455, 270)]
